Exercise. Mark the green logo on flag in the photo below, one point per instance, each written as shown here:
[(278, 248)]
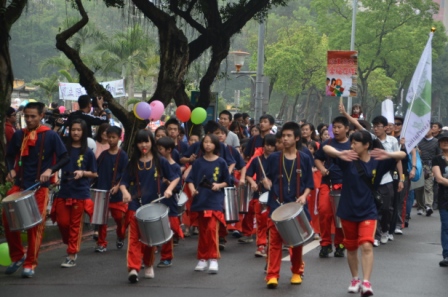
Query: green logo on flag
[(422, 104)]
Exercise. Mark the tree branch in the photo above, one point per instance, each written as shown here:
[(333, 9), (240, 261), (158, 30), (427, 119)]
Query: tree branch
[(186, 15), (13, 12)]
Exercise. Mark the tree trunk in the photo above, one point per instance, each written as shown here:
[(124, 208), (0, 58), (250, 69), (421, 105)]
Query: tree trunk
[(318, 112), (294, 109), (307, 105), (282, 107)]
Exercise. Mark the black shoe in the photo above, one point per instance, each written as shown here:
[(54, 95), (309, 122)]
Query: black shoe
[(340, 251), (444, 262), (175, 240), (325, 251), (222, 244), (406, 221), (429, 211)]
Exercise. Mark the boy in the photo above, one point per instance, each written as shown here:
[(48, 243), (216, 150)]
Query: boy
[(257, 187), (266, 123), (111, 165), (294, 166), (165, 146), (173, 128)]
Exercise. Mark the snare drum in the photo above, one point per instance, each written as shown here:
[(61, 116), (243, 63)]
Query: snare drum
[(21, 211), (244, 196), (181, 203), (292, 224), (100, 200), (154, 224), (335, 197), (231, 205)]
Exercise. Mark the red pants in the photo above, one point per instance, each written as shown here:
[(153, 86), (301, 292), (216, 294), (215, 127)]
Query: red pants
[(357, 233), (208, 244), (34, 234), (275, 254), (261, 216), (326, 218), (69, 216), (118, 212), (137, 251), (167, 248), (311, 199), (189, 218), (238, 225)]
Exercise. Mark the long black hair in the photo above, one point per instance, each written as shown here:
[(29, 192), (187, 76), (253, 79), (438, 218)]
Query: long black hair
[(84, 135), (101, 129), (215, 141), (365, 137), (143, 136)]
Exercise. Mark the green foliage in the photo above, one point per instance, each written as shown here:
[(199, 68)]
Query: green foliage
[(380, 85), (4, 188)]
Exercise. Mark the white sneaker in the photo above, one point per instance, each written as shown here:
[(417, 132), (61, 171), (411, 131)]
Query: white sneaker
[(133, 276), (202, 265), (420, 212), (213, 268), (398, 231), (355, 286), (384, 237), (376, 243), (391, 237), (149, 272)]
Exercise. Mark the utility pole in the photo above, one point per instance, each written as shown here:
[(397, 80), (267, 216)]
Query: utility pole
[(352, 45), (259, 96)]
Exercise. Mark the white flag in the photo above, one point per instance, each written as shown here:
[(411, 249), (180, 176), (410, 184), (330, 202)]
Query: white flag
[(418, 116)]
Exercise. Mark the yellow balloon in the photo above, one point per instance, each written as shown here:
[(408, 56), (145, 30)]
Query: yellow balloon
[(135, 112)]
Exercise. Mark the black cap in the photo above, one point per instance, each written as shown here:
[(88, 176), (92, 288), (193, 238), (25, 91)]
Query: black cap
[(443, 136), (10, 111)]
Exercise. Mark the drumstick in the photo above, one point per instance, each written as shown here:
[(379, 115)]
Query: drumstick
[(261, 165), (36, 184), (158, 199)]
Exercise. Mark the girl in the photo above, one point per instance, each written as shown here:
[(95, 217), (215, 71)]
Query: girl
[(160, 132), (357, 208), (71, 200), (101, 140), (254, 130), (237, 128), (324, 135), (145, 173), (357, 112), (312, 198), (209, 175)]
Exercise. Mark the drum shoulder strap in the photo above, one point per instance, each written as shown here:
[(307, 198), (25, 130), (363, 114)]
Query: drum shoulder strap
[(117, 159)]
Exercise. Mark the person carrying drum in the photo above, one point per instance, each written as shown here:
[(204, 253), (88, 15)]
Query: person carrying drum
[(145, 174), (165, 146), (255, 170), (208, 177), (255, 144), (362, 172), (71, 199), (331, 181), (35, 147), (112, 164), (289, 177)]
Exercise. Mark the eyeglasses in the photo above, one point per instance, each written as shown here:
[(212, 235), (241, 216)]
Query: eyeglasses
[(378, 126), (398, 124)]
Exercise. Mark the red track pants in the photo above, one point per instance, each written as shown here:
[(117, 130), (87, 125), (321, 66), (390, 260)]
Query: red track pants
[(208, 243), (261, 216), (167, 248), (118, 212)]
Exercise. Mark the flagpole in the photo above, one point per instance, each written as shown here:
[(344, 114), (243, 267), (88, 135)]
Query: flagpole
[(405, 124)]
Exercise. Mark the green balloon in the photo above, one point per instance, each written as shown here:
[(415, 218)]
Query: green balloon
[(198, 115), (5, 260)]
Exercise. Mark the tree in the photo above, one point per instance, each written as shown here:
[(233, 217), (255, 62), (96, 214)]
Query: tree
[(9, 14), (49, 85)]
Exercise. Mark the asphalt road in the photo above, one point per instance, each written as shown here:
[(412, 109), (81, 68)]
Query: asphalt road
[(407, 267)]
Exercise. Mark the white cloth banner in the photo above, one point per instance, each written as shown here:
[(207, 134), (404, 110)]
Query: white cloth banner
[(71, 91), (418, 116)]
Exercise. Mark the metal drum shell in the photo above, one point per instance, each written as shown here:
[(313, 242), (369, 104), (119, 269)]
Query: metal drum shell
[(244, 196), (231, 209), (21, 211), (335, 197), (153, 224), (100, 200), (292, 224), (181, 203)]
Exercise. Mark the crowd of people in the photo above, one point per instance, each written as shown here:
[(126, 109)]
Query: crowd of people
[(370, 171)]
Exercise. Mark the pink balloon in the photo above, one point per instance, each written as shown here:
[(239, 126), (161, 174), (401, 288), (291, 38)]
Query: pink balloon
[(61, 109), (157, 110)]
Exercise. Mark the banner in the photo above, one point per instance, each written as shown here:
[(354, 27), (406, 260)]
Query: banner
[(71, 91), (342, 79), (418, 117)]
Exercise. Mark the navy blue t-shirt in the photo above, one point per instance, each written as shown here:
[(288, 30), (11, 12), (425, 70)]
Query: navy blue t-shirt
[(77, 188), (176, 157), (106, 167), (254, 168), (150, 182), (357, 203), (274, 163), (53, 147), (181, 148), (224, 153), (254, 142), (335, 172), (215, 172), (171, 202)]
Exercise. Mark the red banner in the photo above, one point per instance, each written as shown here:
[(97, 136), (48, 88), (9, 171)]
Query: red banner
[(342, 79)]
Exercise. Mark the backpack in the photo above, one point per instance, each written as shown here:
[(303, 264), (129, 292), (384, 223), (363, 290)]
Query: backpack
[(419, 165)]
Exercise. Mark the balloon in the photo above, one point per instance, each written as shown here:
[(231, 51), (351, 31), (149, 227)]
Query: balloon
[(5, 260), (183, 113), (135, 112), (61, 109), (143, 110), (24, 102), (198, 115), (157, 108)]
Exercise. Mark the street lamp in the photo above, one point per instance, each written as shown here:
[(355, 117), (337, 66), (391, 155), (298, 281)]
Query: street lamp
[(238, 59)]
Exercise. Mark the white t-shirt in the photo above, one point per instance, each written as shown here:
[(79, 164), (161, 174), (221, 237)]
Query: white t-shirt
[(390, 144), (232, 139)]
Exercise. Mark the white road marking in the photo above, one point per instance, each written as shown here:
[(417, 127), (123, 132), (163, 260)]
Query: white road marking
[(307, 248)]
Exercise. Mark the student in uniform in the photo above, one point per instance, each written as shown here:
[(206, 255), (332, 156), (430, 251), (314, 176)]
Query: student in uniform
[(71, 199), (254, 177), (362, 169), (112, 164), (173, 127), (35, 147), (292, 184), (208, 176), (254, 147), (165, 146), (145, 174)]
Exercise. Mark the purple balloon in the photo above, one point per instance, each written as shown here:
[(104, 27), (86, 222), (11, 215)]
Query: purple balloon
[(143, 110), (330, 131)]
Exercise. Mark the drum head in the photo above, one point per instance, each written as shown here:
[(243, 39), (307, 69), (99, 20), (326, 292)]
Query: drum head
[(183, 198), (151, 212), (18, 196), (286, 211)]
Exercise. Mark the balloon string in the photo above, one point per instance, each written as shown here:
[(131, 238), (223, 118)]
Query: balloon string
[(191, 129)]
